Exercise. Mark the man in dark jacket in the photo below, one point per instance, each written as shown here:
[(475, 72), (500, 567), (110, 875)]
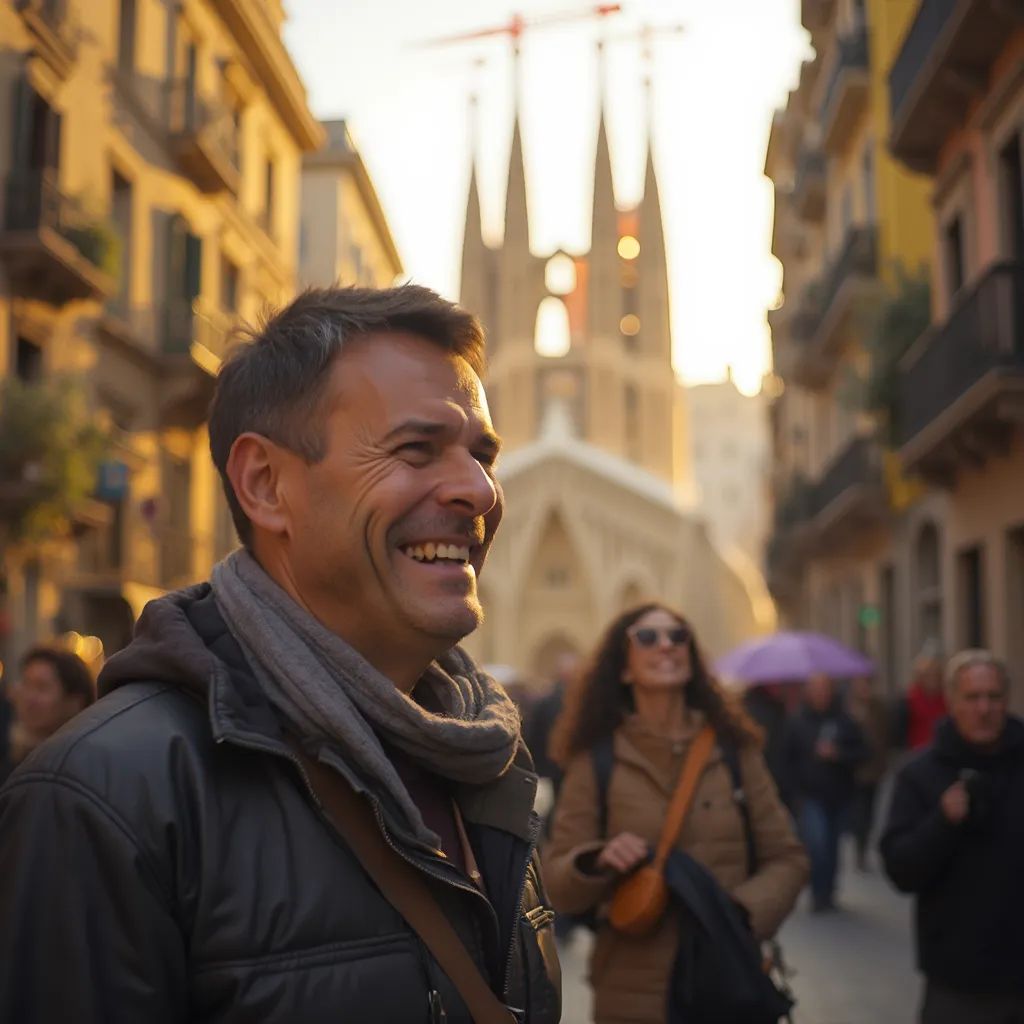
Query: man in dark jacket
[(955, 839), (164, 858), (823, 747)]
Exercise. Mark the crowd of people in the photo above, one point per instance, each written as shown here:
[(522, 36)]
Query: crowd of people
[(299, 799)]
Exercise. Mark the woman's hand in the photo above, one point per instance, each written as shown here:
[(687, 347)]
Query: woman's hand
[(623, 853)]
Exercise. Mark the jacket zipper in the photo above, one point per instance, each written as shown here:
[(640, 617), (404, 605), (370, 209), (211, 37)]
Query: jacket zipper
[(268, 748), (535, 829)]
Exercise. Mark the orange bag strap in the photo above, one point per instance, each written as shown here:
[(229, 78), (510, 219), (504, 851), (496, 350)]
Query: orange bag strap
[(693, 767)]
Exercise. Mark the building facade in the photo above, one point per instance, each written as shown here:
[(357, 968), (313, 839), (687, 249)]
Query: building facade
[(344, 236), (879, 536), (961, 387), (596, 467), (731, 457), (151, 199)]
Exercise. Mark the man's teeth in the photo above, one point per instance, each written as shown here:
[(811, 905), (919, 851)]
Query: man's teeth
[(431, 552)]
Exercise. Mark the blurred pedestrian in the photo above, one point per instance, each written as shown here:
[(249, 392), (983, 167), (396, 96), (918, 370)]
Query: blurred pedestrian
[(925, 703), (867, 709), (647, 694), (299, 796), (955, 839), (767, 707), (824, 748), (52, 686), (544, 713)]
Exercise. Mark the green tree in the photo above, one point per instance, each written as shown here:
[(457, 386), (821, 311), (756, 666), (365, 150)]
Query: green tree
[(50, 450)]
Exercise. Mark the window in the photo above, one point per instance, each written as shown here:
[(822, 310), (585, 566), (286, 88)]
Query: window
[(971, 587), (868, 171), (268, 196), (228, 285), (35, 144), (28, 361), (889, 628), (1011, 184), (953, 245), (126, 36), (928, 580), (846, 209), (1015, 605), (121, 215)]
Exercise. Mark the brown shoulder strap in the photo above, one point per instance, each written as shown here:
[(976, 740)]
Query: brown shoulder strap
[(404, 888), (693, 766)]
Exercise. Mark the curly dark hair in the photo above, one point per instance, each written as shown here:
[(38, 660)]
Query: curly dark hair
[(598, 701)]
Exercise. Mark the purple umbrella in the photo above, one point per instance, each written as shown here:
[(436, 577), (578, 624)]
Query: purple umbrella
[(791, 656)]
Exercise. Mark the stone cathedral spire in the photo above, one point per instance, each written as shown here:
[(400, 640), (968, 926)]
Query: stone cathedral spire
[(604, 288)]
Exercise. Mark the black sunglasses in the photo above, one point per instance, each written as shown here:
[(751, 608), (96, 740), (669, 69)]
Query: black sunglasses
[(649, 636)]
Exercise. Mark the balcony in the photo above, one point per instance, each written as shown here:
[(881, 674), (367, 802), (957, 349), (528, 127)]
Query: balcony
[(847, 92), (828, 306), (809, 188), (941, 70), (787, 547), (193, 341), (203, 139), (850, 496), (54, 34), (961, 388), (54, 249)]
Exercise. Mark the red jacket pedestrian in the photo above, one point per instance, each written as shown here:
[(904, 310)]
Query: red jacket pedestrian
[(926, 703)]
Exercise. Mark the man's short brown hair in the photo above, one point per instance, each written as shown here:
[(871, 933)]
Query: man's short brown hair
[(274, 384)]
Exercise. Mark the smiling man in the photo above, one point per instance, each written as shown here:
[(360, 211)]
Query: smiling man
[(167, 849)]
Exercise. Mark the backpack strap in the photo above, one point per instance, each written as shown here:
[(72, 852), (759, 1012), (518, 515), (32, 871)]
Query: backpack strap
[(602, 756), (731, 757)]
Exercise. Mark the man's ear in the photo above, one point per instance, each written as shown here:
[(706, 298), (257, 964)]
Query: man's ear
[(255, 468)]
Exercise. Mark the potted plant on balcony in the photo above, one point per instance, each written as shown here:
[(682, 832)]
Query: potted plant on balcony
[(99, 243), (892, 327)]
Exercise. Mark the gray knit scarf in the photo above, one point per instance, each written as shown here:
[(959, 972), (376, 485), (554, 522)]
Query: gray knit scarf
[(328, 692)]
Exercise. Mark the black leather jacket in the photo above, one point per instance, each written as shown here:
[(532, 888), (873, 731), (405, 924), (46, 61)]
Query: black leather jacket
[(161, 860)]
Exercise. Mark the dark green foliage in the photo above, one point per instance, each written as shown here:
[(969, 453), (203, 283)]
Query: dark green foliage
[(50, 449)]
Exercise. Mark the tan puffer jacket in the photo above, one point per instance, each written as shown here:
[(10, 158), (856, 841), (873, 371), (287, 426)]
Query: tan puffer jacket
[(630, 976)]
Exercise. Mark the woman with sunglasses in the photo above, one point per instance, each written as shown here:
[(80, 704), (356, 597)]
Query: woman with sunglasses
[(647, 691)]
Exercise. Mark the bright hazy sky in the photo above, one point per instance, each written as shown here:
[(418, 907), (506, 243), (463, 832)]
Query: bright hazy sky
[(714, 87)]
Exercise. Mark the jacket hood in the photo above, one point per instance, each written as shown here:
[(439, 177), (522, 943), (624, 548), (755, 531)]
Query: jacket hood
[(950, 745), (167, 646)]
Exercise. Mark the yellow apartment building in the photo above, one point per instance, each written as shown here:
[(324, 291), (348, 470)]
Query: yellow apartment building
[(344, 235), (850, 221), (956, 95), (150, 198)]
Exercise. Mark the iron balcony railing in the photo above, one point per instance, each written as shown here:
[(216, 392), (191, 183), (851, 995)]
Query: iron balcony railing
[(190, 114), (859, 255), (810, 172), (852, 55), (33, 203), (856, 465), (925, 31), (984, 334), (56, 15)]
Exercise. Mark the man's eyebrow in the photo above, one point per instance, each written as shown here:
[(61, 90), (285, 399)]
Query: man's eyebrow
[(488, 439), (425, 428)]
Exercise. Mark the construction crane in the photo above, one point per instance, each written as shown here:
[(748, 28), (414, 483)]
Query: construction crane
[(517, 25)]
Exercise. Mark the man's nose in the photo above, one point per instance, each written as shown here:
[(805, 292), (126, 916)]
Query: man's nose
[(468, 485)]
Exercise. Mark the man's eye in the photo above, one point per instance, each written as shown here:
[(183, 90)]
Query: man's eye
[(421, 448)]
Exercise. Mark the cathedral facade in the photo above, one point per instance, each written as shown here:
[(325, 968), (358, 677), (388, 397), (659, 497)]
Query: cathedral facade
[(596, 468)]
